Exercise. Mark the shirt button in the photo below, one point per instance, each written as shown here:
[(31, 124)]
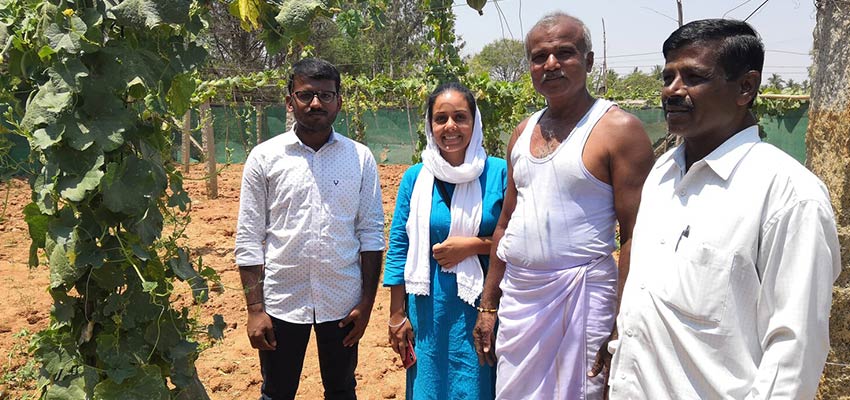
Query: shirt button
[(663, 241), (623, 376), (681, 193), (642, 286), (630, 332)]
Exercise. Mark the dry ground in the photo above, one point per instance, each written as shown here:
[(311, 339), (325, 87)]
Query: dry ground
[(229, 369)]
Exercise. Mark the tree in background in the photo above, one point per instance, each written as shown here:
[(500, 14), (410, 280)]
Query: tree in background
[(828, 156), (503, 59), (396, 47), (234, 50), (775, 82), (657, 72)]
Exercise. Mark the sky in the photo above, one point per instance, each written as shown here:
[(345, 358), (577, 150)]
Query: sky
[(636, 29)]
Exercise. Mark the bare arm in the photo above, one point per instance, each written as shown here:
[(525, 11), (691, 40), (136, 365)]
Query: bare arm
[(630, 158), (483, 333), (260, 330), (455, 249), (370, 269), (399, 327)]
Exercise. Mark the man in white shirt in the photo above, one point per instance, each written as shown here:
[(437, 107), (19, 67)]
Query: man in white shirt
[(309, 240), (735, 248)]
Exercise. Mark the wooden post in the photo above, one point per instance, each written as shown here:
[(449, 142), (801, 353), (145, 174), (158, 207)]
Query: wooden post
[(209, 149), (679, 8), (261, 122), (186, 142), (604, 61)]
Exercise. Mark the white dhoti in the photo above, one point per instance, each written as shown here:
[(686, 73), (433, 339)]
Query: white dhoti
[(551, 325)]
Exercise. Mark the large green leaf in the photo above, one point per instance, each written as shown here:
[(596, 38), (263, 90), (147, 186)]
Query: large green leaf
[(80, 170), (43, 189), (93, 19), (183, 356), (106, 129), (117, 358), (66, 34), (61, 248), (151, 13), (148, 226), (180, 93), (109, 276), (47, 105), (146, 384), (70, 388), (116, 66), (131, 186), (69, 73), (182, 267), (37, 223), (49, 135), (162, 334), (179, 197), (64, 307)]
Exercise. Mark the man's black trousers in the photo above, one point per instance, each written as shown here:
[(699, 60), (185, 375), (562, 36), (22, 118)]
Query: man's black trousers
[(281, 368)]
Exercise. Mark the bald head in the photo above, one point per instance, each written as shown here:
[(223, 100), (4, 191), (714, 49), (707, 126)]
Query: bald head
[(558, 17)]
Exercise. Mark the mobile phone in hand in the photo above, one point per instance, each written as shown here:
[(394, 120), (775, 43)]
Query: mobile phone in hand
[(410, 359)]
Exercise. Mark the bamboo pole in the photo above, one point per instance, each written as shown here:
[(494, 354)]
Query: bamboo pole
[(261, 122), (186, 144), (209, 149)]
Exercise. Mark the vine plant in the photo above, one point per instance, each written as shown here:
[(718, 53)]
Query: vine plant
[(96, 87), (104, 80)]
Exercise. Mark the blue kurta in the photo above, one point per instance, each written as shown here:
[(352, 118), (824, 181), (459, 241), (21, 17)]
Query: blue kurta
[(447, 366)]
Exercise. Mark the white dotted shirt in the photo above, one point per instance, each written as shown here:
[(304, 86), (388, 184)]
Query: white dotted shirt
[(306, 215)]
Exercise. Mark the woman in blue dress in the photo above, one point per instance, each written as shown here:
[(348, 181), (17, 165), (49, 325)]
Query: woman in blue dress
[(446, 210)]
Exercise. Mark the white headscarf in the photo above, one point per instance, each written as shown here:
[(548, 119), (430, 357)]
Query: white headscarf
[(466, 211)]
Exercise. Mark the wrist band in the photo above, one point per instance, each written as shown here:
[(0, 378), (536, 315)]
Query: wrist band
[(487, 310), (398, 325)]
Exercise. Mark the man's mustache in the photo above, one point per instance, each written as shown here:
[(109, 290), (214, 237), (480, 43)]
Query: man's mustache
[(677, 103), (547, 75)]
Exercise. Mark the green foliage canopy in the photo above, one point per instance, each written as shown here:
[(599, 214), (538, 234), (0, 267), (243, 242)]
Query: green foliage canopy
[(503, 59)]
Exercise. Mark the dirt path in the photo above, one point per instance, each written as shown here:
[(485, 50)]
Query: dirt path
[(230, 368)]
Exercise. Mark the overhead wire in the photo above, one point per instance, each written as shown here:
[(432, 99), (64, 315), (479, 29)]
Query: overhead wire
[(735, 8), (505, 18), (756, 10)]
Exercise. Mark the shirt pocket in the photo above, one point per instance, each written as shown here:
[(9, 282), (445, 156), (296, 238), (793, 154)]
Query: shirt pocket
[(344, 195), (697, 285)]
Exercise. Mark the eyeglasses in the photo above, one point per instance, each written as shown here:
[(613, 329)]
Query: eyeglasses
[(306, 96)]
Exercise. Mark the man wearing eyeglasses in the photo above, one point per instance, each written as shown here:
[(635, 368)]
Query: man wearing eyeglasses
[(309, 240)]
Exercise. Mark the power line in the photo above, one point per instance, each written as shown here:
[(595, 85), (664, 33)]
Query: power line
[(662, 14), (636, 54), (735, 8), (521, 30), (788, 52), (756, 10)]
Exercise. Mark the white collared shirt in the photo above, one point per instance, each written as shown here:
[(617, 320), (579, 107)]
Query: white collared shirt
[(730, 285), (306, 216)]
